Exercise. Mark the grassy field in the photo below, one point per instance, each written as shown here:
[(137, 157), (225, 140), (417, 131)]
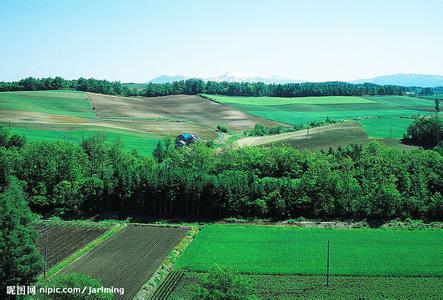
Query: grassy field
[(69, 103), (380, 116), (143, 143), (290, 250)]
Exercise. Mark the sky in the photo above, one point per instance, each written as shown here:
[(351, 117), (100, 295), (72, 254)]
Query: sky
[(135, 41)]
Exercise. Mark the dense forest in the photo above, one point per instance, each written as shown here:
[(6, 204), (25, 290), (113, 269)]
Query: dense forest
[(280, 182), (198, 86)]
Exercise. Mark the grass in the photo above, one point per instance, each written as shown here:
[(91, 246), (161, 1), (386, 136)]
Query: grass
[(290, 250), (341, 287), (285, 100), (380, 116), (143, 143), (70, 103)]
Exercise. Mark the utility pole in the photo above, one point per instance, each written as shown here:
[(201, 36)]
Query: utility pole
[(46, 252), (327, 268)]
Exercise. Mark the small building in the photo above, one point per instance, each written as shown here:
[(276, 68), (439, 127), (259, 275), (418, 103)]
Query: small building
[(185, 139)]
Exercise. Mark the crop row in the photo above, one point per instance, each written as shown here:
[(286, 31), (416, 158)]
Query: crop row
[(128, 259)]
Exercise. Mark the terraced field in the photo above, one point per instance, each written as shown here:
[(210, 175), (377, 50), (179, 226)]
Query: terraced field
[(128, 259), (64, 240), (380, 116)]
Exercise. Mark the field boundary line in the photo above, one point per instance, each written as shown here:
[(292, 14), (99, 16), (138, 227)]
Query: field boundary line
[(82, 251), (167, 265)]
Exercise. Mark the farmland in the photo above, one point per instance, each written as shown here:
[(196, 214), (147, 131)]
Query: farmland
[(64, 239), (334, 135), (291, 261), (288, 250), (341, 287), (128, 259), (139, 122), (380, 116)]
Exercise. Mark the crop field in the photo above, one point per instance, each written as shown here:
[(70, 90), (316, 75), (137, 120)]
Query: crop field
[(334, 135), (290, 262), (380, 116), (308, 287), (129, 258), (290, 250), (185, 108), (64, 240)]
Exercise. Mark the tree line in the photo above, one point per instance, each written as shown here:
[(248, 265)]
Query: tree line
[(198, 182), (198, 86)]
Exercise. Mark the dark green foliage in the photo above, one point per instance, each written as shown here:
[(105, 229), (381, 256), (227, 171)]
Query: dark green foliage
[(224, 283), (279, 182), (8, 141), (20, 261), (198, 86), (222, 128), (72, 280), (425, 131)]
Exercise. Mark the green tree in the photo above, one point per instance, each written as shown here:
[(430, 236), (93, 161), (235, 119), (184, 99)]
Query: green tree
[(224, 283), (20, 261), (426, 131)]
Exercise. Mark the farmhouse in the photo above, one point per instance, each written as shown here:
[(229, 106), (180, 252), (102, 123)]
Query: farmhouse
[(185, 139)]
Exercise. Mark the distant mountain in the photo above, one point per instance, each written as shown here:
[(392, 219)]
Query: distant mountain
[(229, 77), (168, 78), (406, 80), (246, 77)]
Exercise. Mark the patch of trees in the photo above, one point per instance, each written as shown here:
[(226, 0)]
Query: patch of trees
[(280, 182), (425, 131), (58, 83), (198, 86)]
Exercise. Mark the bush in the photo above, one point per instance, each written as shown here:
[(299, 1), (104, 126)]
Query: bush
[(224, 283), (222, 128), (425, 131)]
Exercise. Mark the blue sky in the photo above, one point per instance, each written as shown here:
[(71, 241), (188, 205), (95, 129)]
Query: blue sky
[(134, 41)]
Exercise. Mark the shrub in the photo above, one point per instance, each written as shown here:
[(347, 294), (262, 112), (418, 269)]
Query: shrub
[(224, 283)]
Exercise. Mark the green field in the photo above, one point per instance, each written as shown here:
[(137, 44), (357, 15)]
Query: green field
[(292, 250), (64, 115), (69, 103), (380, 116), (341, 287), (271, 101), (143, 143)]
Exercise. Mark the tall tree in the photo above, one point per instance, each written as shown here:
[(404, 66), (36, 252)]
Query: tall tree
[(20, 260)]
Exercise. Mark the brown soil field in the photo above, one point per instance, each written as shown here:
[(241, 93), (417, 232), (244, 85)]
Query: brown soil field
[(334, 135), (193, 109), (64, 240), (129, 258)]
